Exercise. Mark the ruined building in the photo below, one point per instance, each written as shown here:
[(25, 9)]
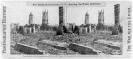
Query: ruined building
[(29, 28), (87, 18), (62, 21), (31, 18), (62, 15), (117, 13), (45, 17), (100, 25), (85, 28), (117, 27), (101, 17), (44, 25)]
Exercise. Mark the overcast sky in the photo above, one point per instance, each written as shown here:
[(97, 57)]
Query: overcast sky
[(18, 12)]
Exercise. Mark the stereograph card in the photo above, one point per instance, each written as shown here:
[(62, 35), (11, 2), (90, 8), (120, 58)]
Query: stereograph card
[(40, 29)]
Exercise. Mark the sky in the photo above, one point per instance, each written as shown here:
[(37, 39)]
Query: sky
[(18, 12)]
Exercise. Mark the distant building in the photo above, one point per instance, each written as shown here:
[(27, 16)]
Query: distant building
[(87, 18), (100, 25), (117, 13), (29, 28), (44, 25), (83, 30), (101, 17), (31, 18), (14, 27), (45, 17), (117, 28), (62, 15), (70, 26), (87, 27), (62, 23)]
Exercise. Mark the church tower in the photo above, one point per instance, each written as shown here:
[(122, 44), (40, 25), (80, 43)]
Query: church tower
[(101, 17), (45, 17), (44, 25), (86, 18), (31, 18), (100, 25)]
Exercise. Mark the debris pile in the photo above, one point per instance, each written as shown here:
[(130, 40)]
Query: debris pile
[(100, 41)]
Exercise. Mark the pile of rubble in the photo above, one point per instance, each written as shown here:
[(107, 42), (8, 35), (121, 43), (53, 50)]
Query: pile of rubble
[(108, 44), (15, 38), (50, 49), (32, 40)]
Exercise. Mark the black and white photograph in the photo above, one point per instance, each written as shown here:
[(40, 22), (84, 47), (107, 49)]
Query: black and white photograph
[(68, 28)]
